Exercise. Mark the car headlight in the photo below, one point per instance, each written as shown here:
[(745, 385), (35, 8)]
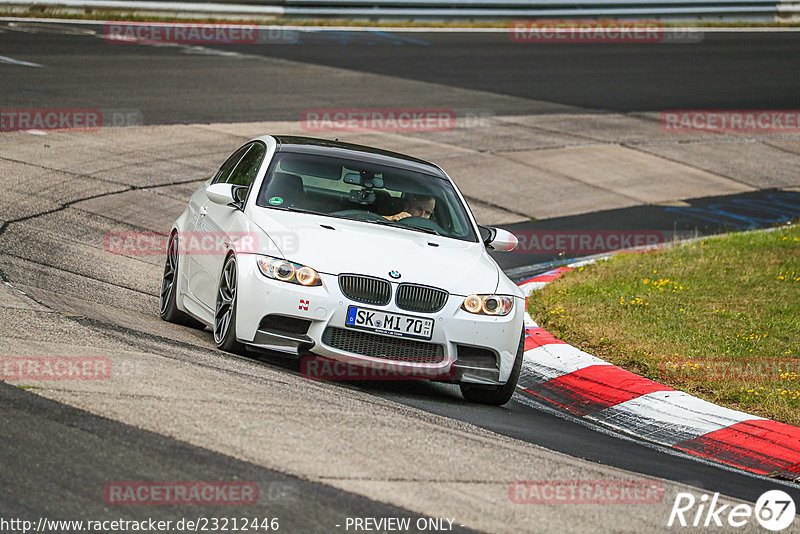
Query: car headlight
[(488, 304), (286, 271)]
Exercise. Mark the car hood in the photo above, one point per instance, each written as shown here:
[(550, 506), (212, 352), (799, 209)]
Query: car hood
[(335, 246)]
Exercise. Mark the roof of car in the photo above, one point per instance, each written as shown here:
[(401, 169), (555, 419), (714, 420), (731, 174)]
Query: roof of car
[(336, 147)]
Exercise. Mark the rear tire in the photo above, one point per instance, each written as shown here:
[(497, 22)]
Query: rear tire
[(167, 307), (225, 314), (497, 395)]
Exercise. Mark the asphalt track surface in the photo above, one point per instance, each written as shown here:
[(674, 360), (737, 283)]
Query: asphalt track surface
[(755, 71)]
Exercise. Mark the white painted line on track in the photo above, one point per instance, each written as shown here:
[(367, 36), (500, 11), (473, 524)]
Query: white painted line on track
[(12, 61)]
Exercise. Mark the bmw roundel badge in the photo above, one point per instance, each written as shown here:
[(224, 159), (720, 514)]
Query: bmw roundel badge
[(394, 274)]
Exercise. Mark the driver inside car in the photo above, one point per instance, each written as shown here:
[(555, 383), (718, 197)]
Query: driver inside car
[(415, 206)]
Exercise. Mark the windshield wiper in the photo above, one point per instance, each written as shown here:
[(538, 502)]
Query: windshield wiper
[(296, 210), (408, 226)]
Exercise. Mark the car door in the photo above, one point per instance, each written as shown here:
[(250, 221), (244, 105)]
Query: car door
[(198, 280), (219, 225)]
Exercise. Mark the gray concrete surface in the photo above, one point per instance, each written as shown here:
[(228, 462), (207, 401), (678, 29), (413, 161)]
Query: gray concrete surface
[(511, 168)]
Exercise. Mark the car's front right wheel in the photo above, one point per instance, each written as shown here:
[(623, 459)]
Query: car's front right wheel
[(497, 395)]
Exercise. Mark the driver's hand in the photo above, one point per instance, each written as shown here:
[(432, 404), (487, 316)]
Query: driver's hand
[(398, 216)]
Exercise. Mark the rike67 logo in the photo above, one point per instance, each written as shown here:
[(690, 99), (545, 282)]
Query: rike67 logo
[(774, 510)]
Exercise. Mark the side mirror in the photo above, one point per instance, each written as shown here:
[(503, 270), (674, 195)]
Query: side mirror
[(498, 239), (220, 194)]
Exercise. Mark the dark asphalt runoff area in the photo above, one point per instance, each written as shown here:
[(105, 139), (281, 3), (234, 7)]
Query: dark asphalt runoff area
[(721, 71), (196, 84), (645, 225), (56, 459)]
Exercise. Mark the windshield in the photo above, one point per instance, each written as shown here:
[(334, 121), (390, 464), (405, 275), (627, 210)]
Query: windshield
[(369, 192)]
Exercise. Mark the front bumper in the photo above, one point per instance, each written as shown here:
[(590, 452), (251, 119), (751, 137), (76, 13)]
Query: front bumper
[(325, 307)]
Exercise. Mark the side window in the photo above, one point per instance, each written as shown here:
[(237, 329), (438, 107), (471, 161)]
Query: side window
[(245, 172), (230, 163)]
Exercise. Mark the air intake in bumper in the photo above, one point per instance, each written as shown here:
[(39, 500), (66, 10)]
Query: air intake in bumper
[(383, 347)]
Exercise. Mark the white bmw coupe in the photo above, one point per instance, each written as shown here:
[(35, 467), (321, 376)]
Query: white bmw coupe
[(352, 254)]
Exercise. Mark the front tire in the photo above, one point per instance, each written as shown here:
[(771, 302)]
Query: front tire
[(225, 314), (497, 395), (167, 307)]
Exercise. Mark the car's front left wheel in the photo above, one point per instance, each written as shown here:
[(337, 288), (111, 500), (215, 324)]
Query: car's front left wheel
[(497, 395), (225, 314)]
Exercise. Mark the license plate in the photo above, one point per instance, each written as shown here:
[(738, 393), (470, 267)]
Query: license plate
[(395, 324)]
